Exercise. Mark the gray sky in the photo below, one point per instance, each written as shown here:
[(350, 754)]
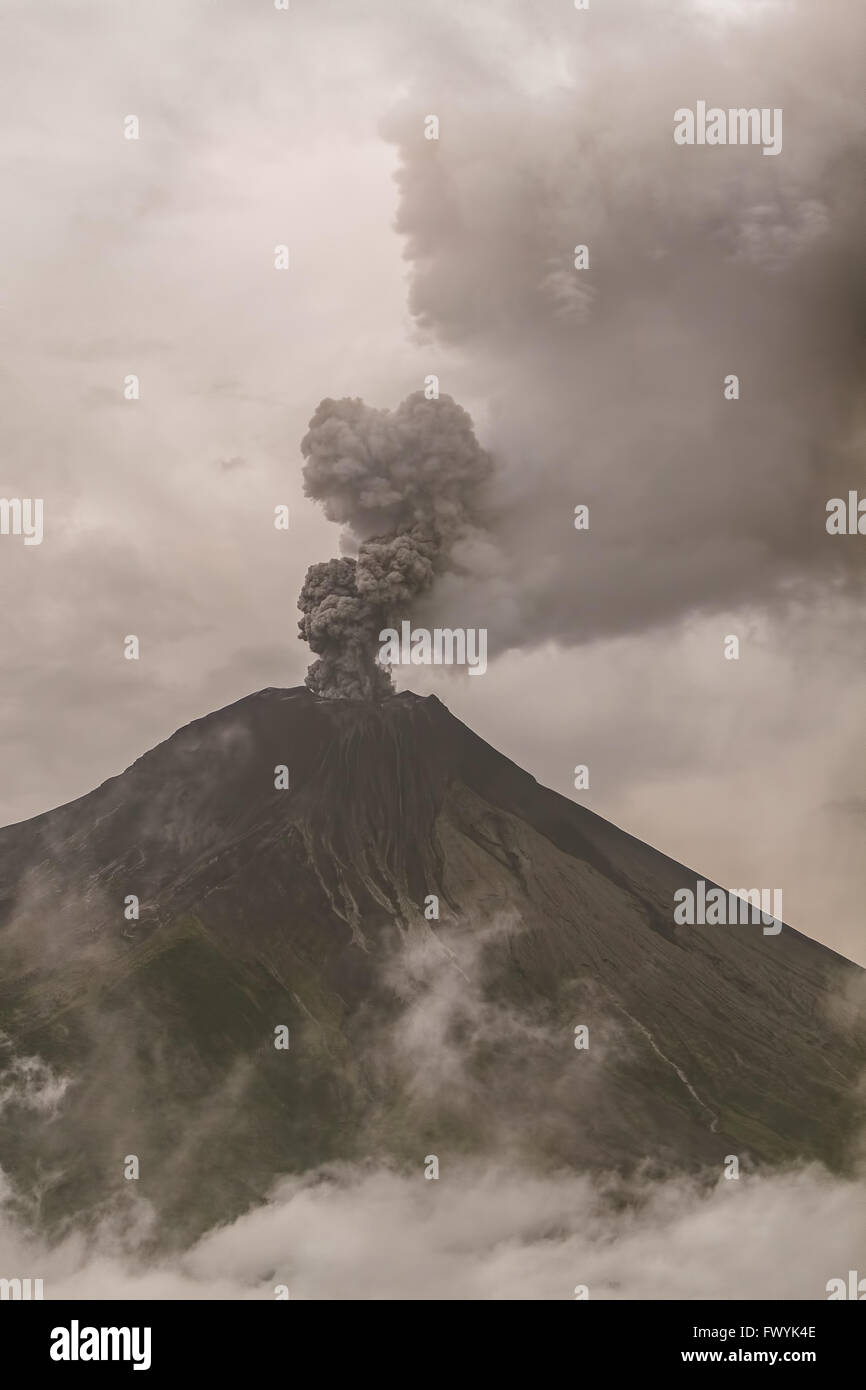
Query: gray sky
[(259, 127)]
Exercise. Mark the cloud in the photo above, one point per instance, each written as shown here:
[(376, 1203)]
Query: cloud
[(500, 1222), (483, 1232), (604, 386), (28, 1083)]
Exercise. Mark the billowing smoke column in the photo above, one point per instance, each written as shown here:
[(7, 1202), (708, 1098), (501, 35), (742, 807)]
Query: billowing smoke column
[(406, 484)]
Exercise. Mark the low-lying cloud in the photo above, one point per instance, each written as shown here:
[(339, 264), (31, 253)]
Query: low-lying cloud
[(488, 1231)]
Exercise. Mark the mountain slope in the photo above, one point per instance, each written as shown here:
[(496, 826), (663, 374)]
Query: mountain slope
[(304, 907)]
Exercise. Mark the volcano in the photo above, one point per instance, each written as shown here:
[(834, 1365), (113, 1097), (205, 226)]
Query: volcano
[(159, 934)]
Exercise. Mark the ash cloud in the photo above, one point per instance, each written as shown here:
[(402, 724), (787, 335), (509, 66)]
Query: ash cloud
[(406, 485), (605, 386)]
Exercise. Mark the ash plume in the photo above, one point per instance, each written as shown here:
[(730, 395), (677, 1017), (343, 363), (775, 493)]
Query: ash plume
[(406, 484)]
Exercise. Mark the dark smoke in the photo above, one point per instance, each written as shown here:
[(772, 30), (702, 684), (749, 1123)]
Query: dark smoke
[(407, 486)]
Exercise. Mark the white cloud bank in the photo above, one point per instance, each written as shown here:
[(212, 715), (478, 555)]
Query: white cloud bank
[(482, 1233)]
